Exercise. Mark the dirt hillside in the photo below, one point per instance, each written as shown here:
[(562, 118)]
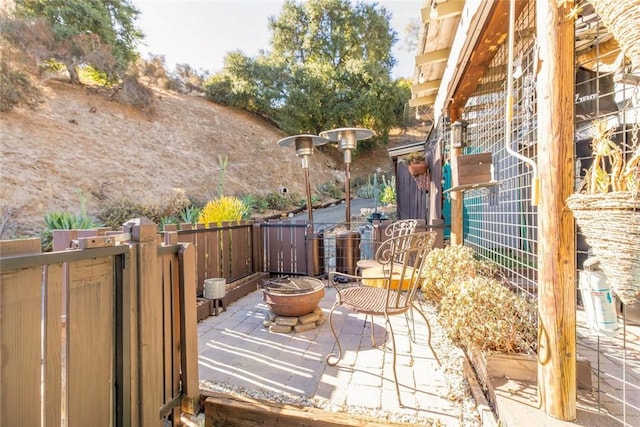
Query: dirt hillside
[(80, 144)]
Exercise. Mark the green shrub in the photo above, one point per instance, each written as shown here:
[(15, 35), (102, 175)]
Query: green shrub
[(64, 221), (225, 208), (481, 313), (190, 214), (254, 204), (330, 189), (282, 202), (165, 220), (366, 191)]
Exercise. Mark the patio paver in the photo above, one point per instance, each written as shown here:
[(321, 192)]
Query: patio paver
[(237, 352)]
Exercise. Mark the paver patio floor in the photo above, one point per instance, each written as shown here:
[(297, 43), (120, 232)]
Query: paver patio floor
[(237, 353)]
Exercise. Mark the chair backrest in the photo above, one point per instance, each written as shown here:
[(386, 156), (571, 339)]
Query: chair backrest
[(395, 229), (401, 228), (406, 260)]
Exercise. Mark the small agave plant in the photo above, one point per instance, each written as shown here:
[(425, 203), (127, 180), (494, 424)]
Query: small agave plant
[(190, 214)]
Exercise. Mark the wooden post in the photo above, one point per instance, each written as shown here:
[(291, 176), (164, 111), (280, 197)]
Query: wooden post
[(189, 329), (150, 381), (456, 196), (556, 249)]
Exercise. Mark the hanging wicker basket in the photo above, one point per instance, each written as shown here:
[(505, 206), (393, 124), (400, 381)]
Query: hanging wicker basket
[(610, 223), (621, 18)]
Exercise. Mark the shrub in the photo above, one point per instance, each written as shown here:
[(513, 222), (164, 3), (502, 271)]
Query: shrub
[(254, 203), (17, 89), (365, 191), (116, 212), (225, 208), (388, 190), (132, 92), (443, 267), (479, 312), (330, 189), (64, 221), (190, 214), (282, 202), (166, 220)]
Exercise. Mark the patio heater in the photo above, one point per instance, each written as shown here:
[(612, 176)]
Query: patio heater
[(347, 140), (348, 242), (304, 148)]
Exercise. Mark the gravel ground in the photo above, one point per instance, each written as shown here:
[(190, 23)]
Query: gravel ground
[(450, 356)]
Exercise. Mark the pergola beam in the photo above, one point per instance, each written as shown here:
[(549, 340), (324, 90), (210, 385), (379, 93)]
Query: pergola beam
[(433, 57), (423, 100), (430, 85)]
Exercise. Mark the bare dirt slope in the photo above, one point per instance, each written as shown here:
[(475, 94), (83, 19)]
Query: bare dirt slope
[(81, 144)]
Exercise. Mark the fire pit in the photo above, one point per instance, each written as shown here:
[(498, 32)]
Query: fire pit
[(292, 296)]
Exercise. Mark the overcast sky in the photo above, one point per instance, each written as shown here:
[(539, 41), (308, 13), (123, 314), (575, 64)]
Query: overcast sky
[(201, 32)]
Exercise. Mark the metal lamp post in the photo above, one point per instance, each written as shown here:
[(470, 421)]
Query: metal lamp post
[(347, 140), (304, 148)]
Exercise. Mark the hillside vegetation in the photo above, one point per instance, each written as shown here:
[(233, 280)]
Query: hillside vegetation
[(81, 147)]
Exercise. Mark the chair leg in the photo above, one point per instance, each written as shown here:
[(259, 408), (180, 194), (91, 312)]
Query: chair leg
[(408, 317), (395, 371), (338, 356), (426, 321)]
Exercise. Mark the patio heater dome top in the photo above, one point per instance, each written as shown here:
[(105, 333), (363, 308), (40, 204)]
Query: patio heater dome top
[(347, 137), (303, 143)]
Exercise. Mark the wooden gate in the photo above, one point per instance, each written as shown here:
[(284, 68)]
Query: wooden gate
[(102, 335)]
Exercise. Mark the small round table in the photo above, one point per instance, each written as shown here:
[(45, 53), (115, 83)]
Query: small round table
[(372, 276)]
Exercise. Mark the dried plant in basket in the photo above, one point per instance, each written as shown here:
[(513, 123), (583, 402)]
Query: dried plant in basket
[(607, 210)]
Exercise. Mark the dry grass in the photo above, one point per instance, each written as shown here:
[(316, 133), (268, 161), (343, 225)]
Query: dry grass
[(81, 140)]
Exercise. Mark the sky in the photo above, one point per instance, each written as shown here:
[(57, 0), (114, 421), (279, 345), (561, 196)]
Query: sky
[(201, 32)]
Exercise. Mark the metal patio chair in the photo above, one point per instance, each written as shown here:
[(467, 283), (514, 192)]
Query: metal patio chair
[(398, 228), (393, 293)]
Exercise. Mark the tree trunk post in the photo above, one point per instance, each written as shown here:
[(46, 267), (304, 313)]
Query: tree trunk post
[(556, 250), (456, 196)]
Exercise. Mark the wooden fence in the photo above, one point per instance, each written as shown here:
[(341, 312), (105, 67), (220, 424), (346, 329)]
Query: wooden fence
[(101, 335), (104, 329)]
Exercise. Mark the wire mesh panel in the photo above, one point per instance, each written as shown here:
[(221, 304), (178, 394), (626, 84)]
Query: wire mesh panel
[(500, 222), (607, 99)]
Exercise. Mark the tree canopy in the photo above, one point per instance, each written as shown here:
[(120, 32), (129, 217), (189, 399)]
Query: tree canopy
[(329, 66), (99, 33)]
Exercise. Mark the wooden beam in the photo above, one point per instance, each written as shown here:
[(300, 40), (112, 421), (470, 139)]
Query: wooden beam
[(423, 100), (445, 10), (494, 34), (430, 85), (433, 57), (233, 410), (456, 236), (556, 248)]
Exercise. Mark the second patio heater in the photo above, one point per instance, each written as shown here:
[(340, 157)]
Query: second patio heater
[(347, 141), (304, 148), (347, 242)]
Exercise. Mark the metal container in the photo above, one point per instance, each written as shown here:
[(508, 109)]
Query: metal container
[(315, 254), (347, 251)]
